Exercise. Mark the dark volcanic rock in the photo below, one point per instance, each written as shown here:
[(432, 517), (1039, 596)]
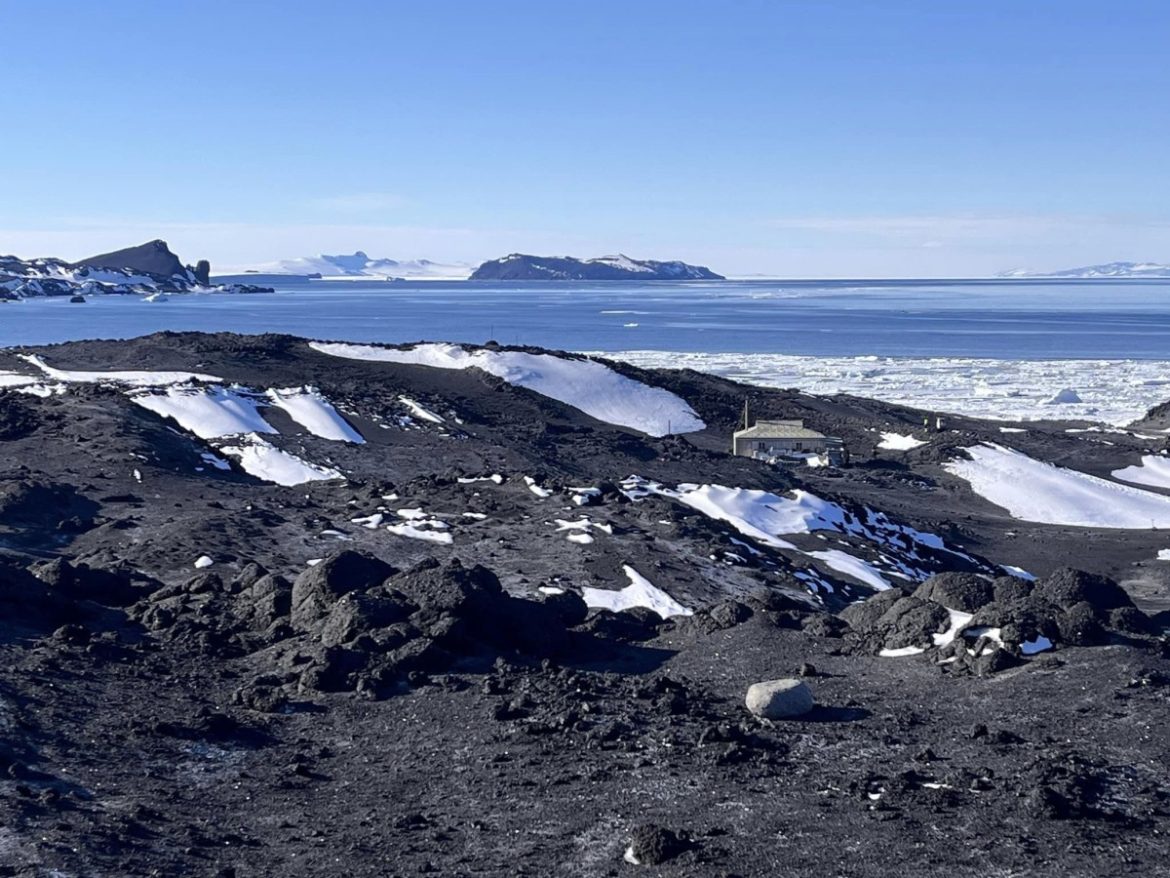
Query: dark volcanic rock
[(17, 419), (317, 589), (153, 257), (1067, 587), (966, 592)]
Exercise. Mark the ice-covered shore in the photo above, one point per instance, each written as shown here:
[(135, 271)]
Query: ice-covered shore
[(1111, 391)]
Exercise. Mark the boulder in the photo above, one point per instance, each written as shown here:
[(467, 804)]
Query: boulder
[(1068, 587), (317, 589), (910, 621), (1011, 588), (652, 845), (862, 615), (966, 592), (780, 699)]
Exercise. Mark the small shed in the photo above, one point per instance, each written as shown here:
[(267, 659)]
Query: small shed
[(769, 440)]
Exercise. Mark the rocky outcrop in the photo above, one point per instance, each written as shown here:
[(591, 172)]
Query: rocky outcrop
[(153, 257), (145, 269)]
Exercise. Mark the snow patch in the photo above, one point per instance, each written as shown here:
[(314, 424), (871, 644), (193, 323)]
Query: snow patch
[(209, 413), (639, 593), (900, 442), (585, 384), (1032, 490), (265, 461), (1154, 470), (315, 413), (135, 378), (419, 411)]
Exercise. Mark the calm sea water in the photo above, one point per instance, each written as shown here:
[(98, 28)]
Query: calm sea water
[(1003, 320)]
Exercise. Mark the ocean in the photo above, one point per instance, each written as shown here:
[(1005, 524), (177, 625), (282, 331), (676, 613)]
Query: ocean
[(995, 348)]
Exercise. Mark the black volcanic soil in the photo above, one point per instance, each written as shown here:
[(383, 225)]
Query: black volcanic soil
[(405, 707)]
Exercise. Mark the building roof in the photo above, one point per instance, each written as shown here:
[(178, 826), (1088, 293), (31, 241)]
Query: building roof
[(778, 430)]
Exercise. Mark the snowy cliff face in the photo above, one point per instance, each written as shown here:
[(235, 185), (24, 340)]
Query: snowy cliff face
[(519, 266), (360, 265), (1108, 269), (145, 269)]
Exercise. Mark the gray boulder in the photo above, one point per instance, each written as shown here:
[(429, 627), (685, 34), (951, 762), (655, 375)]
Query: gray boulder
[(966, 592), (780, 699), (317, 589)]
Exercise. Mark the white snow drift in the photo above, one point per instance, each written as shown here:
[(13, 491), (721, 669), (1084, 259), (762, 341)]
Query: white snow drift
[(1154, 471), (899, 442), (138, 379), (209, 413), (592, 387), (315, 413), (1032, 490), (639, 593), (265, 461)]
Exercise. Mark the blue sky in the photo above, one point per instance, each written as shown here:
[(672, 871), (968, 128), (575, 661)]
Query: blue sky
[(826, 138)]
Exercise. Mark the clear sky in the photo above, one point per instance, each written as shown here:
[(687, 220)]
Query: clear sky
[(824, 138)]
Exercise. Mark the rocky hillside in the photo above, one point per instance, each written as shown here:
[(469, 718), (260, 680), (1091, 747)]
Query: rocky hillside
[(145, 269), (519, 266), (270, 606)]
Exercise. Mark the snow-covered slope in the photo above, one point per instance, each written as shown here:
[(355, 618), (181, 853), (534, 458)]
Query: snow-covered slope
[(358, 265), (1032, 490), (1108, 269), (585, 384)]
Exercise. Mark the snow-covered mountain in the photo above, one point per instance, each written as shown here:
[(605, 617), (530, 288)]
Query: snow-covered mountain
[(145, 269), (360, 265), (1109, 269), (519, 266)]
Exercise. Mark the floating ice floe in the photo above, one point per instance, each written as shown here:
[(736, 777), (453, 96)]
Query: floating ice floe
[(1032, 490), (1154, 470), (639, 593), (203, 561), (315, 413), (1113, 391), (135, 378), (582, 383), (265, 461), (900, 442)]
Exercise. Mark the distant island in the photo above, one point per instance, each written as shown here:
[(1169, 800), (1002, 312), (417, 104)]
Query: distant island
[(146, 269), (350, 266), (1108, 269), (519, 266)]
